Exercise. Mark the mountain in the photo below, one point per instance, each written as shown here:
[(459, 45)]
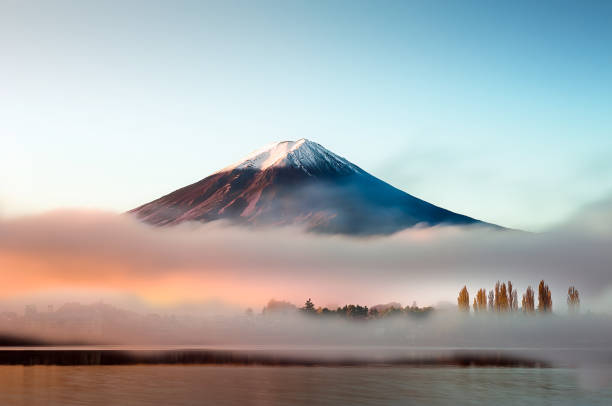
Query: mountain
[(298, 182)]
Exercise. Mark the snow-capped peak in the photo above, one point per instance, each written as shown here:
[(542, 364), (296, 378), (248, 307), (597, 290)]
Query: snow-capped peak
[(303, 154)]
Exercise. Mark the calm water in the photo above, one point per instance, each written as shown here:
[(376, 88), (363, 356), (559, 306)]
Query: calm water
[(214, 385)]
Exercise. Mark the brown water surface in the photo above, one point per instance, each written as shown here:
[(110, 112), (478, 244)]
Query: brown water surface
[(258, 385)]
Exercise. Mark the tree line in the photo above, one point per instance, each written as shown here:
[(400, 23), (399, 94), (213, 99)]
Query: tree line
[(504, 298), (349, 311)]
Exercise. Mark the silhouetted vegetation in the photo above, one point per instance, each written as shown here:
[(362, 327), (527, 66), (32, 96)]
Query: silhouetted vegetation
[(349, 311), (308, 307), (279, 306), (353, 311)]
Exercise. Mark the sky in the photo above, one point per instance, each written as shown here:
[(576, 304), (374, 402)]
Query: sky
[(498, 110)]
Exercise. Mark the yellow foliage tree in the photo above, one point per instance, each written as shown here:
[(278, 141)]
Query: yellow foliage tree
[(480, 301), (463, 300), (544, 298), (501, 297), (511, 297), (528, 301)]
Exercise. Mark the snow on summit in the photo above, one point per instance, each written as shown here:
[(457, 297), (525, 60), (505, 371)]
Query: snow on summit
[(303, 154), (298, 183)]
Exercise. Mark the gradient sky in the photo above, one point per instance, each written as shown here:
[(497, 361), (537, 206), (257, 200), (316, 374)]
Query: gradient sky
[(499, 111)]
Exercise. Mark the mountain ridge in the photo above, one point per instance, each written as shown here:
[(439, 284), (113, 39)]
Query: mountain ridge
[(299, 182)]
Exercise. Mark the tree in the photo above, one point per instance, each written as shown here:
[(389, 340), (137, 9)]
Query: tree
[(544, 298), (511, 297), (325, 312), (480, 301), (503, 298), (464, 300), (309, 307), (514, 306), (391, 311), (416, 311), (573, 299), (491, 301), (496, 289), (279, 307), (528, 301), (353, 311)]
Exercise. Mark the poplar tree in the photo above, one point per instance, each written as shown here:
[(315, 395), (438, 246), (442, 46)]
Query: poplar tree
[(497, 290), (463, 301), (528, 301), (573, 299), (503, 298), (544, 298), (480, 300), (514, 306)]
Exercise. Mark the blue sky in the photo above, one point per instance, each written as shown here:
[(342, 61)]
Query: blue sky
[(499, 111)]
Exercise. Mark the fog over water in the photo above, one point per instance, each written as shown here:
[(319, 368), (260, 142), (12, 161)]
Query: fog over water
[(198, 280)]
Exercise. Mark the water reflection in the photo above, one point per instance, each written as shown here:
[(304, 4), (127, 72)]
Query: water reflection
[(197, 385)]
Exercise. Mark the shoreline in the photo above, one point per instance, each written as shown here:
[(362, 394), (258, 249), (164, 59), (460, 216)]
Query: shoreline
[(117, 356)]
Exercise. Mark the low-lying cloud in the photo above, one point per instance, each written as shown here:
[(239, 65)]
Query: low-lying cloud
[(83, 250)]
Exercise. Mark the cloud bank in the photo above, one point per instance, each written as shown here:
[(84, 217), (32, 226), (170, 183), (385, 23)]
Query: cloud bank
[(81, 250)]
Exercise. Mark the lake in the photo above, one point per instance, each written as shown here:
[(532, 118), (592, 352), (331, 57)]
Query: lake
[(298, 385)]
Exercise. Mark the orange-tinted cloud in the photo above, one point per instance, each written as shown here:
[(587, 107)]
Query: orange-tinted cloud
[(97, 250)]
